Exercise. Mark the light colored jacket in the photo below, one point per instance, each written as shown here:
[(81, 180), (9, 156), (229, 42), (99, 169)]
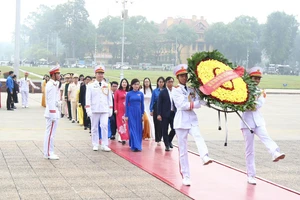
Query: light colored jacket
[(73, 89), (253, 117), (185, 102), (52, 93), (24, 84), (99, 98)]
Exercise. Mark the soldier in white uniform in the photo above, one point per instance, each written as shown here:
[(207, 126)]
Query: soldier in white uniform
[(99, 107), (186, 122), (24, 87), (52, 113), (257, 123)]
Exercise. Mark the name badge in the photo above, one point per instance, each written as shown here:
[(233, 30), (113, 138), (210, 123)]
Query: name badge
[(105, 90)]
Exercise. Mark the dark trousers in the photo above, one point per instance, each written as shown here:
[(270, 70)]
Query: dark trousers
[(166, 121), (85, 117), (9, 100), (69, 109), (157, 125), (113, 124)]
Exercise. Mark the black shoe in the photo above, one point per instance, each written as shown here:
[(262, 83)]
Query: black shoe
[(10, 109), (14, 107), (62, 115), (167, 148), (85, 128), (112, 137), (136, 150), (123, 142), (171, 145)]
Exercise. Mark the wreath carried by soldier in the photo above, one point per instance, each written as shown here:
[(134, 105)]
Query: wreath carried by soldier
[(225, 86)]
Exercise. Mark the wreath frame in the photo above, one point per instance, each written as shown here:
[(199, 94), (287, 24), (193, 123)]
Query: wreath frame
[(198, 57)]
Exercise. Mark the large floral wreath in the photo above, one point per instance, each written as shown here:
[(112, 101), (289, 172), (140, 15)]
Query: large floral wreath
[(221, 83)]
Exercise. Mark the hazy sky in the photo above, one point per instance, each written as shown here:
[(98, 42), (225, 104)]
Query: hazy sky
[(156, 10)]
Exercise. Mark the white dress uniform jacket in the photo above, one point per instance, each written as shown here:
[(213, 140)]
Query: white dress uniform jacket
[(185, 117), (253, 117), (24, 84), (99, 98), (52, 100)]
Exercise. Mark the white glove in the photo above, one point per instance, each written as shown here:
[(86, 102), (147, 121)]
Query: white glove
[(58, 104), (89, 112)]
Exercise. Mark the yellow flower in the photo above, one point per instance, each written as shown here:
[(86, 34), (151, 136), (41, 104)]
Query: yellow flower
[(234, 91)]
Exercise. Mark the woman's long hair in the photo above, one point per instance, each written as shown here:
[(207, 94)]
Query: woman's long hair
[(45, 78), (127, 87), (160, 78), (150, 86), (133, 81)]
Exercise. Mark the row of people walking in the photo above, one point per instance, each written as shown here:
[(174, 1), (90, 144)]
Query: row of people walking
[(169, 106)]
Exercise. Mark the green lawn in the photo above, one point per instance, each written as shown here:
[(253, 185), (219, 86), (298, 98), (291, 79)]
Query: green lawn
[(21, 74), (112, 75), (268, 81)]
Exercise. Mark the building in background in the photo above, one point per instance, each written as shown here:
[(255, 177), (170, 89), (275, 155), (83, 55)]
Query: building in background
[(198, 25)]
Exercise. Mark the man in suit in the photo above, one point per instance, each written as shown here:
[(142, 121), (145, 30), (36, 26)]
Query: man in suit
[(10, 90), (82, 94), (113, 122), (166, 113)]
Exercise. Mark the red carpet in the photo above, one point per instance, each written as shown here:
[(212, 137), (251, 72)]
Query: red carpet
[(214, 181)]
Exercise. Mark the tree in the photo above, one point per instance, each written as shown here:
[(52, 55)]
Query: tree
[(36, 52), (141, 34), (217, 35), (183, 34), (39, 30), (111, 30), (72, 24), (140, 37), (295, 58), (279, 35), (6, 50), (237, 40)]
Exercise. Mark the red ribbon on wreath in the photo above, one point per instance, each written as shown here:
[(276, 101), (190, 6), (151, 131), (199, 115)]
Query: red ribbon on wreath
[(220, 79)]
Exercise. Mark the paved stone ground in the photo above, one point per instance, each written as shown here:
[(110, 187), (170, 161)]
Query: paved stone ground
[(286, 172), (83, 174), (79, 174)]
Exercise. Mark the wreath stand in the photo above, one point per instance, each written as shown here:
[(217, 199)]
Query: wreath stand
[(226, 126)]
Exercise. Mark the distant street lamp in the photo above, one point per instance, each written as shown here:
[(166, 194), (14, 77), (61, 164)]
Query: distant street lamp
[(17, 39), (124, 16)]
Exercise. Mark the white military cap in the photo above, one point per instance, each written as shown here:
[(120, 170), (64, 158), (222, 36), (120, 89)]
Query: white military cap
[(255, 71), (55, 69), (180, 69), (99, 69)]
